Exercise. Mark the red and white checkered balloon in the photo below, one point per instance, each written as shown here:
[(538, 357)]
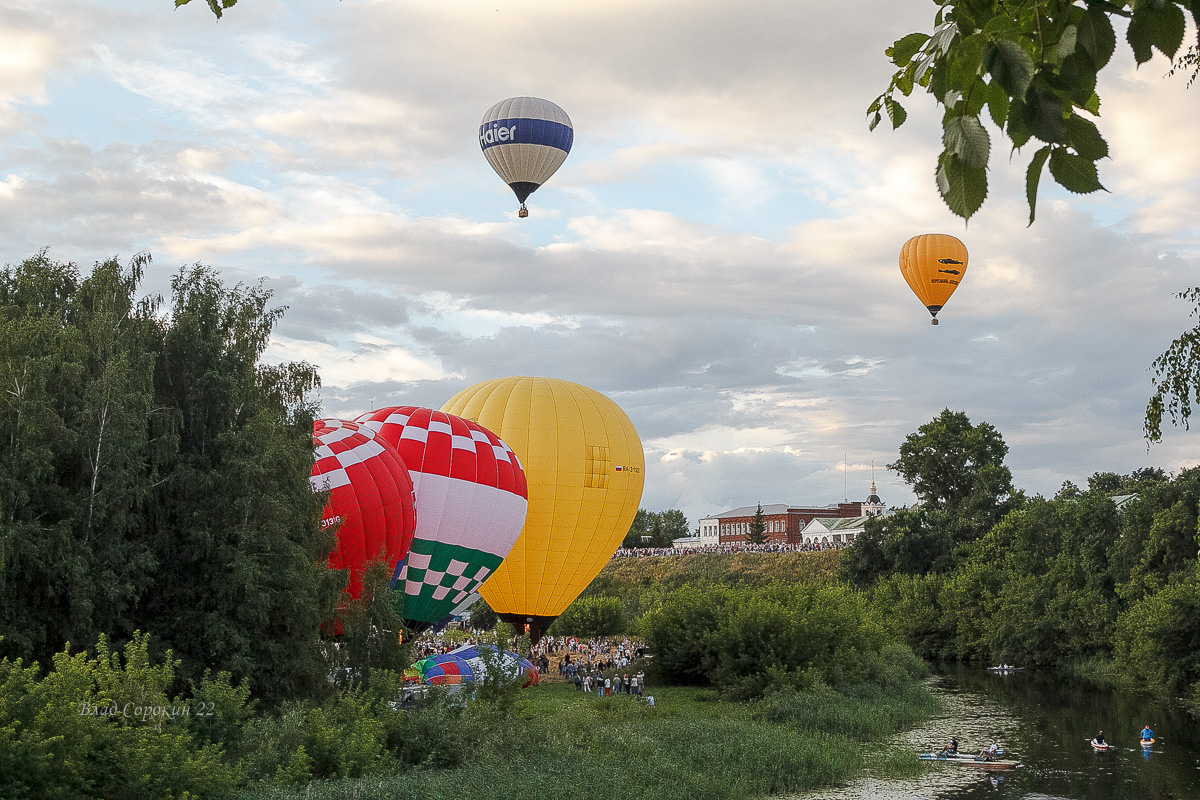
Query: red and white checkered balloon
[(371, 497), (471, 502)]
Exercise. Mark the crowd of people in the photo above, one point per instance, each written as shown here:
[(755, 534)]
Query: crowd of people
[(728, 547), (597, 665)]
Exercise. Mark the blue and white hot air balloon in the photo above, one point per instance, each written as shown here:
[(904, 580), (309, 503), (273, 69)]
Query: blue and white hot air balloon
[(525, 139)]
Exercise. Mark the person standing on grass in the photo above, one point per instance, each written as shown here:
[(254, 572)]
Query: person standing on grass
[(616, 684)]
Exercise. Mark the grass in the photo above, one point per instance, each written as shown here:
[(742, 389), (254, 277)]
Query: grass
[(563, 744)]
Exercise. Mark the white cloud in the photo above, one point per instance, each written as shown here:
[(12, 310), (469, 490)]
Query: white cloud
[(718, 253)]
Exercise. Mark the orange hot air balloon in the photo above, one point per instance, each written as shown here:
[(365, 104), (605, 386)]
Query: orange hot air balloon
[(933, 264)]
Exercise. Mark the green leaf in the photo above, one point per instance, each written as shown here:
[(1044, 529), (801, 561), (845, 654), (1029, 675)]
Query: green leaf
[(963, 188), (1033, 174), (1074, 173), (1096, 36), (1156, 25), (1067, 42), (1076, 77), (1043, 115), (1092, 104), (895, 112), (977, 97), (998, 104), (966, 139), (904, 49), (1009, 65), (967, 60), (1017, 130), (1084, 138)]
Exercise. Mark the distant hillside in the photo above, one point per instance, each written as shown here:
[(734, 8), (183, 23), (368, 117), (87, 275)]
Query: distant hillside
[(624, 577)]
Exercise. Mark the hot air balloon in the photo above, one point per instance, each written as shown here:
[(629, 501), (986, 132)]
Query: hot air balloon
[(525, 139), (584, 464), (933, 264), (470, 503), (469, 663), (371, 497)]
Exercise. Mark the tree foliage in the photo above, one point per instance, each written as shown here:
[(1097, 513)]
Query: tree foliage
[(591, 616), (660, 527), (958, 467), (758, 527), (1032, 65), (1176, 377), (155, 475), (217, 7), (747, 641)]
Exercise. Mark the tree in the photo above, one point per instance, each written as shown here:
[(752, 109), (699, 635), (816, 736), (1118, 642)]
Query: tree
[(640, 527), (954, 465), (154, 476), (661, 527), (1176, 377), (1032, 64), (483, 618), (674, 525), (591, 616), (80, 448), (758, 528), (234, 523)]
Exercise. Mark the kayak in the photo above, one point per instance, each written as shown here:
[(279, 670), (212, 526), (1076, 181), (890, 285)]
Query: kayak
[(990, 764), (1101, 747), (968, 761), (1147, 742)]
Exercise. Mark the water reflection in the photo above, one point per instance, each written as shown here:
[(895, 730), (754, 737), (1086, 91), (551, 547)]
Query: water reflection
[(1046, 723)]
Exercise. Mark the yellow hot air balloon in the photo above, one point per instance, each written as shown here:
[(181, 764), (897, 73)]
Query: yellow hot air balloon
[(933, 264), (584, 467)]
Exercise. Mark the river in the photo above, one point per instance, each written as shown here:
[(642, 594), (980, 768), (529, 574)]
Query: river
[(1046, 722)]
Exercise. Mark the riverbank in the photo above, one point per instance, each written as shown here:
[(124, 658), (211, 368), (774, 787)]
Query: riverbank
[(558, 743)]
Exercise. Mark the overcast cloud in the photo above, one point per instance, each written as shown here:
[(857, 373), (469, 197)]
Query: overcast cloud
[(718, 253)]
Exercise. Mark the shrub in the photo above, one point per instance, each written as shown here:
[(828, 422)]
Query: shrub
[(591, 616)]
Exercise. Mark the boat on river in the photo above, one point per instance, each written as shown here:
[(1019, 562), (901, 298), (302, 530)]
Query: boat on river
[(1147, 742), (969, 761), (1100, 748)]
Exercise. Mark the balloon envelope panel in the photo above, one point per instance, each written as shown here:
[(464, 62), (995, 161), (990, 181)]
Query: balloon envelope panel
[(371, 497), (933, 264), (470, 503), (584, 465)]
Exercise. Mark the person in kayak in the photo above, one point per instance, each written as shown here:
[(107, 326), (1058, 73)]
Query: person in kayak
[(990, 752), (1099, 740), (1147, 734), (952, 748)]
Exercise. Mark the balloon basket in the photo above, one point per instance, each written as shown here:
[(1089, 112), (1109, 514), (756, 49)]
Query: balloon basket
[(524, 212), (933, 321)]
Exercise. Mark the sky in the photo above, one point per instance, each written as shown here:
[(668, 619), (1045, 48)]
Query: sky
[(718, 254)]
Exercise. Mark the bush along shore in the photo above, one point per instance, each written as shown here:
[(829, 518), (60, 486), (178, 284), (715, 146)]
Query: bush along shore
[(800, 690)]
